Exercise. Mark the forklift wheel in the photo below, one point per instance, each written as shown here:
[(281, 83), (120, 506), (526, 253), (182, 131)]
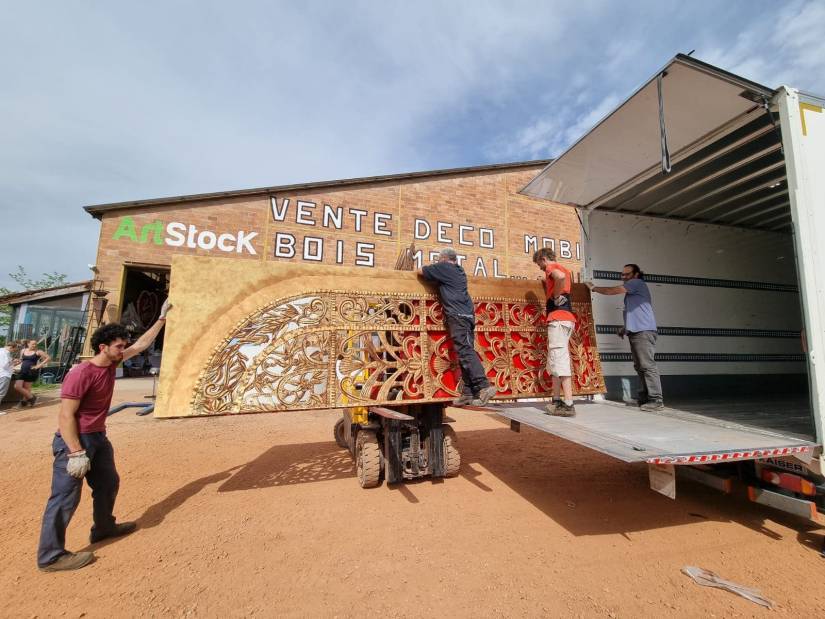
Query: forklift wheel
[(338, 432), (368, 459), (452, 459)]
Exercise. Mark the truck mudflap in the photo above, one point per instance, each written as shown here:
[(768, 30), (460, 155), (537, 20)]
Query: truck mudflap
[(668, 437)]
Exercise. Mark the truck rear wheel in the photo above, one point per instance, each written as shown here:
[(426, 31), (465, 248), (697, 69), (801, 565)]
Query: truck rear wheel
[(368, 459), (452, 459), (338, 432)]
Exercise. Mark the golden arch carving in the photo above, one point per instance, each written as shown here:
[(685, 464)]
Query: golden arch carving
[(330, 349), (261, 343)]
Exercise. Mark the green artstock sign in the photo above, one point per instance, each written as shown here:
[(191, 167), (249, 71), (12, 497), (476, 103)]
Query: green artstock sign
[(177, 234)]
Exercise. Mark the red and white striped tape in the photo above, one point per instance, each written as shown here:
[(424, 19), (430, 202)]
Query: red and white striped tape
[(728, 456)]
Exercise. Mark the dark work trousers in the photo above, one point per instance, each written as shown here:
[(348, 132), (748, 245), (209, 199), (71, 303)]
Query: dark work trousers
[(462, 333), (642, 350), (102, 479)]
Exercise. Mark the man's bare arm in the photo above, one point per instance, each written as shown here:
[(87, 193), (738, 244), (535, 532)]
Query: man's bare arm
[(145, 340), (67, 422), (609, 289)]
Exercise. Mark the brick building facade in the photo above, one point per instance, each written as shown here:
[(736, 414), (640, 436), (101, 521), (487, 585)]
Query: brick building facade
[(358, 222)]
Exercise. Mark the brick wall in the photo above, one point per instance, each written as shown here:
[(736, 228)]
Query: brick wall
[(479, 214)]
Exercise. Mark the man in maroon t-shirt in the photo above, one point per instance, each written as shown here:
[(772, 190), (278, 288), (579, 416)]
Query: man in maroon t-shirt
[(81, 448)]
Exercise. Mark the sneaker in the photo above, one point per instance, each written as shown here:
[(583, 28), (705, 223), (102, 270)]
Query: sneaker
[(486, 394), (550, 408), (564, 410), (22, 404), (122, 528), (32, 400), (69, 561), (652, 406), (463, 399)]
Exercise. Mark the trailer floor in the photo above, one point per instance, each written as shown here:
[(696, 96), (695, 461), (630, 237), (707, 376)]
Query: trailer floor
[(633, 435), (789, 415)]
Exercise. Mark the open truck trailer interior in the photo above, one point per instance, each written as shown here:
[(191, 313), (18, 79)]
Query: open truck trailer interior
[(713, 185)]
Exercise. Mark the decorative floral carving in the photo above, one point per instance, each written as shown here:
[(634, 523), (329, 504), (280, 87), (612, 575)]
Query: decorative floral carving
[(329, 349)]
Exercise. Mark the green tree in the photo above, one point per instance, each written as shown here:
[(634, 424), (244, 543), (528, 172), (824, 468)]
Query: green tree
[(47, 280)]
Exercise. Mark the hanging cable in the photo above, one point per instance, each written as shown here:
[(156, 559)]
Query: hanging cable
[(662, 128)]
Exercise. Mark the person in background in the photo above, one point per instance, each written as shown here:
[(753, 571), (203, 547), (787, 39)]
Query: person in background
[(81, 448), (459, 317), (561, 321), (640, 327), (7, 364), (31, 360)]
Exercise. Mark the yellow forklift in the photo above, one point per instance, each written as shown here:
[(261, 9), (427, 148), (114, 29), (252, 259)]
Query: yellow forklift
[(399, 444)]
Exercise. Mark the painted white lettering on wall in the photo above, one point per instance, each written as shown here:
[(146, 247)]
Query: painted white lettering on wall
[(364, 256), (284, 245), (303, 213), (313, 249), (422, 230), (180, 235)]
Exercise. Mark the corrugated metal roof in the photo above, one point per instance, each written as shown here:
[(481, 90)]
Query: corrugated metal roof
[(97, 210), (24, 296)]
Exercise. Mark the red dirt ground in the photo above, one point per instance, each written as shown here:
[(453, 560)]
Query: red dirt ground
[(261, 515)]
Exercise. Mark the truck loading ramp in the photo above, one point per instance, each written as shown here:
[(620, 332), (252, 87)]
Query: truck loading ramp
[(671, 436)]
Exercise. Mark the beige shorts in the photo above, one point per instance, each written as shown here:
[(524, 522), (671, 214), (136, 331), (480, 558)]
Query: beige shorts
[(558, 352)]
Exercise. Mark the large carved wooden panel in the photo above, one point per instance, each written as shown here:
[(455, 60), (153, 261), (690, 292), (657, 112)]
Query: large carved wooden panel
[(259, 337)]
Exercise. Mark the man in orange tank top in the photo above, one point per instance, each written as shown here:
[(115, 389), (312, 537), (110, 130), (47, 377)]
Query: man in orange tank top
[(561, 321)]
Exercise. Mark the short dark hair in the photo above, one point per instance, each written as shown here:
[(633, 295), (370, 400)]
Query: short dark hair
[(636, 270), (544, 252), (107, 334)]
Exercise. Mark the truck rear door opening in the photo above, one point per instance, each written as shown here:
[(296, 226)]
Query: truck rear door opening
[(690, 179)]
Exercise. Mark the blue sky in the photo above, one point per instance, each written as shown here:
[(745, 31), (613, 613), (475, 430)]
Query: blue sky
[(112, 101)]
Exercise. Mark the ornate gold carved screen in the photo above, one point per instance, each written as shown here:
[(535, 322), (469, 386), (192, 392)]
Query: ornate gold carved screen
[(272, 337)]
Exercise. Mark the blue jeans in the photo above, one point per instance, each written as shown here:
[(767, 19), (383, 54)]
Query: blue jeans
[(102, 479)]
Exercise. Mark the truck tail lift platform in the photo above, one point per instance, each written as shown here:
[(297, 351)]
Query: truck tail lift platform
[(696, 447)]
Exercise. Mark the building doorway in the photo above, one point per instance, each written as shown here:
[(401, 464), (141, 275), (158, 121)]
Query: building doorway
[(145, 288)]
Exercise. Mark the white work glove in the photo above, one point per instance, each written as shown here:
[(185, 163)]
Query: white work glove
[(164, 309), (78, 464), (590, 285), (560, 300)]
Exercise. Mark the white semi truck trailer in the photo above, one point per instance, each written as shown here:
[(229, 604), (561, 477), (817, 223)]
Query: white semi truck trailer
[(715, 186)]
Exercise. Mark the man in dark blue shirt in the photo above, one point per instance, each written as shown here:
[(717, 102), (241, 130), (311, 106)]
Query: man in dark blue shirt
[(459, 317)]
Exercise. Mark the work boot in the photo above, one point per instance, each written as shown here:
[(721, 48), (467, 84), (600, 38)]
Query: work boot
[(32, 400), (69, 561), (551, 407), (653, 406), (486, 394), (564, 410), (122, 528), (463, 399)]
